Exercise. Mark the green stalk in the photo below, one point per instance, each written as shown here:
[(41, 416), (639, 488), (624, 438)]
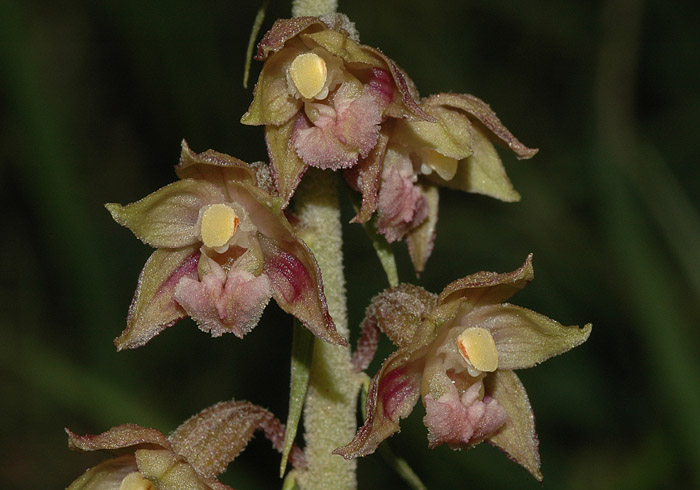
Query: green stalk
[(330, 409)]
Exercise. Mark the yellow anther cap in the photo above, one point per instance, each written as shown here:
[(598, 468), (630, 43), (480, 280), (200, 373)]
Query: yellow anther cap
[(478, 348), (308, 72), (134, 481), (219, 223)]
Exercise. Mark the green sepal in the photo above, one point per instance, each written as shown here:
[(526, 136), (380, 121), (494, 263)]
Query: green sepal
[(525, 338), (517, 438), (482, 172)]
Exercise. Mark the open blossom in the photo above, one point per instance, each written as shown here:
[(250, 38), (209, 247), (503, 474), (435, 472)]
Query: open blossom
[(192, 457), (224, 248), (454, 150), (323, 96), (457, 351)]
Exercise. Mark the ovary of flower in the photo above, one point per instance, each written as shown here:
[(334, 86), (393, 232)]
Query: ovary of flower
[(134, 481), (479, 350), (308, 72), (219, 223)]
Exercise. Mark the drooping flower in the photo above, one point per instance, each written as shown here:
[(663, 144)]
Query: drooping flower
[(457, 351), (192, 457), (224, 248), (323, 96), (454, 150)]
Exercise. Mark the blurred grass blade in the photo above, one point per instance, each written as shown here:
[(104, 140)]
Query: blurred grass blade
[(302, 350), (257, 24), (396, 463), (672, 211), (381, 246), (63, 382)]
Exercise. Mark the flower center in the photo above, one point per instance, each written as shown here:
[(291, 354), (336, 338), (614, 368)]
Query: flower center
[(308, 72), (134, 481), (219, 223), (478, 348)]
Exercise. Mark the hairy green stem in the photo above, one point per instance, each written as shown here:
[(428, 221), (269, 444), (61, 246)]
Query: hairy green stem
[(331, 402)]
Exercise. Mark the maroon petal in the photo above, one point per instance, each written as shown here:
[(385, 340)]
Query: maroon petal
[(366, 178), (404, 104), (297, 286), (393, 393), (154, 308), (120, 437), (282, 31)]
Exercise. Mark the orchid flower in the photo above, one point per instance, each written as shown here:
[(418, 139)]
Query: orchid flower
[(323, 96), (458, 352), (454, 150), (192, 457), (224, 247)]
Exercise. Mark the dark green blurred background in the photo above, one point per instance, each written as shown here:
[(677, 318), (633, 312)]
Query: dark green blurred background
[(95, 97)]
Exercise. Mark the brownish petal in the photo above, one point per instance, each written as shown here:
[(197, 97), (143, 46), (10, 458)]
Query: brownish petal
[(213, 167), (286, 166), (126, 436), (393, 393), (297, 286), (213, 438), (154, 308), (482, 112), (366, 177), (404, 103), (420, 239), (517, 437), (484, 288), (399, 311), (282, 31)]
